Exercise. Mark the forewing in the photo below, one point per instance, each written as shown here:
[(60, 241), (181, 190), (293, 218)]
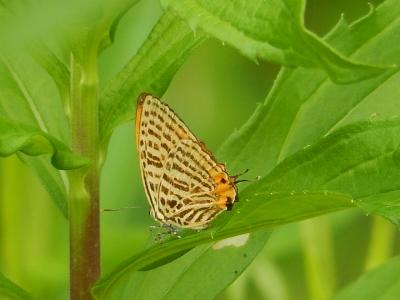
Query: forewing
[(158, 130), (187, 189)]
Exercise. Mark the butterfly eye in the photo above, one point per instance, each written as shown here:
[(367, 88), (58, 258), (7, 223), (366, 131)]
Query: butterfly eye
[(229, 203), (223, 180)]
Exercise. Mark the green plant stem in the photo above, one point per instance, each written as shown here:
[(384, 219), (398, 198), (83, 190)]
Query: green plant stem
[(84, 183), (319, 261), (381, 242)]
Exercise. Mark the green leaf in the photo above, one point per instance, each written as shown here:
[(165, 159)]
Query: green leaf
[(112, 12), (360, 160), (50, 178), (381, 283), (92, 23), (271, 30), (150, 70), (188, 281), (304, 105), (314, 181), (16, 137), (11, 290), (54, 66), (28, 96)]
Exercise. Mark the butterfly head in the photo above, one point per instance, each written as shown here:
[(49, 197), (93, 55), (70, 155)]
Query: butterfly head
[(225, 190)]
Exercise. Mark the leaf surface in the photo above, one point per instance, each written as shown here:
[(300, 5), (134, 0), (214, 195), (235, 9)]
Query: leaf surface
[(150, 70), (271, 30), (16, 137), (11, 290), (29, 98), (303, 107), (314, 181), (382, 283)]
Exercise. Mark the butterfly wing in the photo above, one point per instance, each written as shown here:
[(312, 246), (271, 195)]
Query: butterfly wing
[(188, 189), (163, 140), (158, 129)]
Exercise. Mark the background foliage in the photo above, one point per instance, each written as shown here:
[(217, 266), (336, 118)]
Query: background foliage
[(216, 90)]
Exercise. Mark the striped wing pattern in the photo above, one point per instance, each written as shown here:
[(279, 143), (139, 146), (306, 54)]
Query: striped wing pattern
[(184, 184)]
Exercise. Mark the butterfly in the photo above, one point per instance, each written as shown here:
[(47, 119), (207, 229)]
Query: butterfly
[(185, 186)]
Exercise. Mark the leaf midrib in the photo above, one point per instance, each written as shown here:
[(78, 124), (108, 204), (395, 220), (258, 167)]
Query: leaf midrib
[(344, 140)]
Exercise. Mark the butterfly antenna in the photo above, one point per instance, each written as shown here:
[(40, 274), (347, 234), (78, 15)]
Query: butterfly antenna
[(241, 174), (119, 209), (245, 180), (249, 180)]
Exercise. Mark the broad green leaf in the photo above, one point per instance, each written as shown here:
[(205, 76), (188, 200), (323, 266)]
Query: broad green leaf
[(28, 96), (54, 66), (61, 21), (284, 124), (15, 137), (304, 105), (367, 170), (11, 290), (173, 283), (150, 70), (381, 283), (271, 30), (314, 181)]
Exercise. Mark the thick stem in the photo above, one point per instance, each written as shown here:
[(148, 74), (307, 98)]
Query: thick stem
[(84, 183)]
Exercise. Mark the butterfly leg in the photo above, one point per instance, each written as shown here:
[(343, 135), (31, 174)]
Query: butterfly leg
[(162, 232), (172, 230)]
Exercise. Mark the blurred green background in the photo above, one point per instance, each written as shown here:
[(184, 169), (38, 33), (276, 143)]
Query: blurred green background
[(215, 91)]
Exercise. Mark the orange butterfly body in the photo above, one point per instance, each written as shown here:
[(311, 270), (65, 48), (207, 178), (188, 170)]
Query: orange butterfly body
[(184, 184)]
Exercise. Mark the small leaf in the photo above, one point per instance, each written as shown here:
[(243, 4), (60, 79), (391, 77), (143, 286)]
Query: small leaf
[(380, 283), (16, 137), (271, 30), (150, 70), (11, 290)]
